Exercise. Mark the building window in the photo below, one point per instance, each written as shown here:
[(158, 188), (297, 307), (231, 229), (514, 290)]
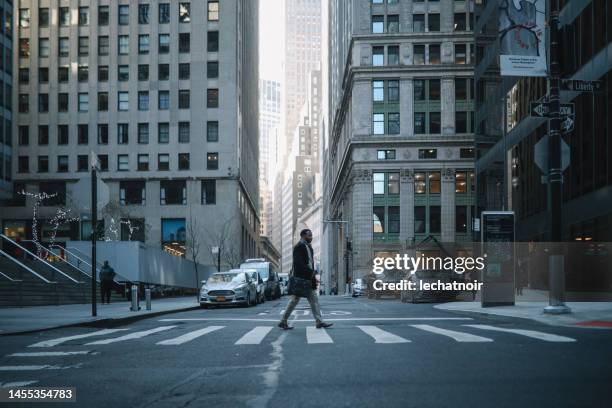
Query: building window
[(103, 45), (213, 10), (163, 72), (428, 154), (184, 98), (143, 44), (82, 163), (419, 54), (24, 135), (433, 22), (24, 76), (378, 56), (461, 122), (183, 132), (24, 47), (378, 24), (418, 23), (83, 134), (143, 162), (393, 55), (419, 219), (102, 73), (460, 54), (124, 14), (133, 229), (132, 192), (393, 23), (434, 219), (43, 75), (164, 43), (43, 47), (184, 42), (212, 161), (466, 153), (123, 101), (385, 154), (103, 134), (123, 162), (62, 134), (102, 101), (23, 164), (164, 13), (461, 219), (83, 46), (24, 103), (24, 18), (212, 69), (385, 218), (123, 135), (460, 22), (434, 54), (62, 164), (63, 45), (427, 106), (184, 69), (143, 133), (83, 16), (379, 124), (64, 16), (103, 160), (460, 182), (173, 192), (124, 44), (213, 41), (57, 188), (163, 133), (163, 162), (183, 161), (212, 131), (43, 135), (184, 12), (43, 164), (209, 192), (164, 100), (83, 73), (143, 14), (143, 72), (103, 15), (212, 98), (123, 73), (143, 100), (43, 103)]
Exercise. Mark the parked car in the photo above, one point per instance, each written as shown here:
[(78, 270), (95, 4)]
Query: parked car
[(432, 276), (261, 286), (268, 274), (228, 288), (360, 287), (283, 280)]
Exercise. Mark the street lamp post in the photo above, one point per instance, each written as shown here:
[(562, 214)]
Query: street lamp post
[(346, 252)]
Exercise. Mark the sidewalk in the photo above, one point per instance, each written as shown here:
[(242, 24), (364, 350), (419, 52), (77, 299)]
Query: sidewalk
[(594, 312), (36, 318)]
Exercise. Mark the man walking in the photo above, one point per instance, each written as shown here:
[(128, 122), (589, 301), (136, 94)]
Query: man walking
[(107, 277), (303, 267)]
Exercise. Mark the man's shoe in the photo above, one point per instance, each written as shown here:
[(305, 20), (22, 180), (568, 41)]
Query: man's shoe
[(284, 326), (324, 325)]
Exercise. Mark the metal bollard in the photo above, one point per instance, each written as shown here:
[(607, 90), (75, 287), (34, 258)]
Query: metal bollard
[(148, 297), (134, 307)]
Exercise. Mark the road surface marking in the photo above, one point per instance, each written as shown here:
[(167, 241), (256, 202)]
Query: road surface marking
[(350, 319), (136, 335), (528, 333), (381, 336), (37, 367), (55, 342), (49, 354), (458, 336), (255, 336), (317, 336), (189, 336), (17, 384)]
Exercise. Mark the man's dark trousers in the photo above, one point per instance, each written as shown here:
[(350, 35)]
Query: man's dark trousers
[(105, 290)]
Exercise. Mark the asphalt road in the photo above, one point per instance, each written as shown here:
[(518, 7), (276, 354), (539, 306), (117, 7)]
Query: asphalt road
[(377, 354)]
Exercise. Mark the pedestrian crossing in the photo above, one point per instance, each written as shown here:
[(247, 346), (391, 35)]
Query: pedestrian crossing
[(258, 335)]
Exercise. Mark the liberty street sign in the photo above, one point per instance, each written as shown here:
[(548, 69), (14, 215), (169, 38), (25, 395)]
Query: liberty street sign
[(581, 86)]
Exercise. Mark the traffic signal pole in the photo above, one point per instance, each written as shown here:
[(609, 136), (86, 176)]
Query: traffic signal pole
[(556, 263)]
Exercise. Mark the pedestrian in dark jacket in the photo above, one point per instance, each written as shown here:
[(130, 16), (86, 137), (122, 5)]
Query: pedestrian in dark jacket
[(107, 278), (303, 267)]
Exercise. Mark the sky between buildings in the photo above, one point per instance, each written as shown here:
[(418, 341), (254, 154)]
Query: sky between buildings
[(271, 39)]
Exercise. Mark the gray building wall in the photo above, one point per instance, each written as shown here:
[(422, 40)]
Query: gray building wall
[(6, 99)]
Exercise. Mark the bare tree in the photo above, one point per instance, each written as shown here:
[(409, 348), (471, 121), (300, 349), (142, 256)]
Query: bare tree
[(193, 244), (222, 237)]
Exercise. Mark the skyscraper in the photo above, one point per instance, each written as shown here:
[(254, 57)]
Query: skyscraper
[(165, 93), (6, 98)]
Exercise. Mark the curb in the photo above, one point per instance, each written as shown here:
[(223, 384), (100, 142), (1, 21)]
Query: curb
[(105, 322)]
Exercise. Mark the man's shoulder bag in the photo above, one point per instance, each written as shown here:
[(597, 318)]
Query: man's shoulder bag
[(298, 286)]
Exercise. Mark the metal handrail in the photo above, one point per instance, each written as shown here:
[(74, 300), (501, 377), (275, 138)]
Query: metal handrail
[(24, 267), (68, 262), (36, 257), (9, 278), (98, 264), (89, 264)]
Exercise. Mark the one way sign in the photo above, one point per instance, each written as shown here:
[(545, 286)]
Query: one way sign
[(542, 109)]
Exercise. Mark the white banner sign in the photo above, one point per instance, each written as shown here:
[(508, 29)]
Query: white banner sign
[(522, 37)]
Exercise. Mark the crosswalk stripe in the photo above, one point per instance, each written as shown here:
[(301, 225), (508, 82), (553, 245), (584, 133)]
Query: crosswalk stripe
[(381, 336), (48, 354), (189, 336), (254, 336), (317, 336), (36, 367), (458, 336), (135, 335), (16, 384), (55, 342), (528, 333)]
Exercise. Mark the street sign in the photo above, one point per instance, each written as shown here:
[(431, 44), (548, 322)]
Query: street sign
[(578, 85), (81, 194), (542, 109), (567, 124), (215, 250), (540, 152)]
